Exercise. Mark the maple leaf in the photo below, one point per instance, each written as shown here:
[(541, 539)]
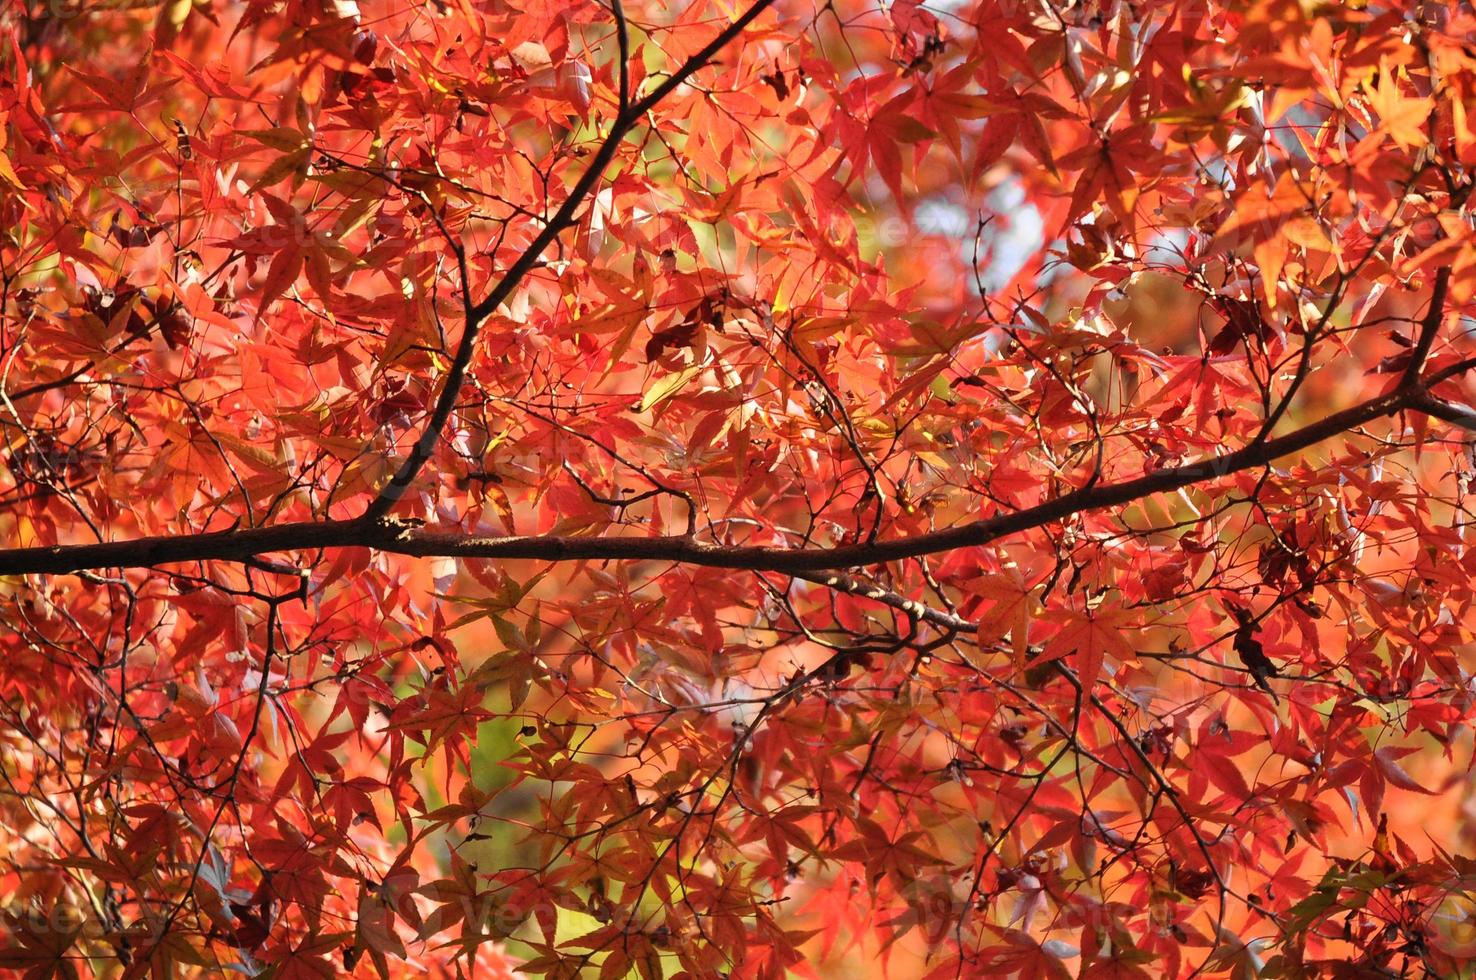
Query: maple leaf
[(1091, 638), (676, 489)]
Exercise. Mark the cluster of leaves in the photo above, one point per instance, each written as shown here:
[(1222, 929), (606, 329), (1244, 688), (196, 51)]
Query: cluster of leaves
[(647, 489)]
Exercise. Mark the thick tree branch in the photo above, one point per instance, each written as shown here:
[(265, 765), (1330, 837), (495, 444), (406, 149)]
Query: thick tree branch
[(405, 539), (1455, 413), (1429, 329), (918, 611)]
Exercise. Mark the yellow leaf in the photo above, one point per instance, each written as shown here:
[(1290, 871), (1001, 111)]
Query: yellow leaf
[(668, 386)]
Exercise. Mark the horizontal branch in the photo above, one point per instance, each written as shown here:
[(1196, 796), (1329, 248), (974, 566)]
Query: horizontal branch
[(911, 608), (1453, 412), (406, 539)]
